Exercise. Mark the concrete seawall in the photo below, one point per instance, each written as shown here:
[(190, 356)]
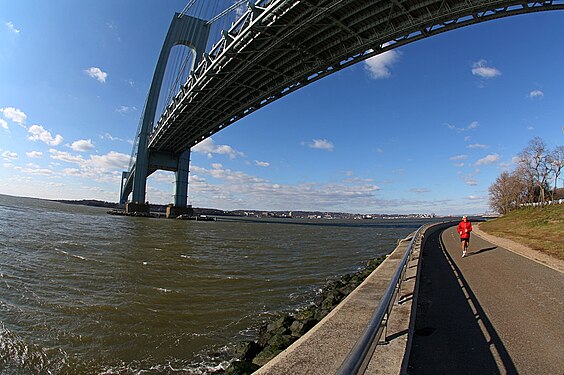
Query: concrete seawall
[(323, 349)]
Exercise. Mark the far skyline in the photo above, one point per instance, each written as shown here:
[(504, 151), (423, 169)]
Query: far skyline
[(425, 128)]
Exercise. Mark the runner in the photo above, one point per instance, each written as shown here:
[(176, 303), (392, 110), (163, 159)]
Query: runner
[(464, 229)]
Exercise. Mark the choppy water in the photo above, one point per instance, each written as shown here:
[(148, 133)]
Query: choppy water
[(83, 292)]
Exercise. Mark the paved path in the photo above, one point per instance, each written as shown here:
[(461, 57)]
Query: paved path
[(492, 312)]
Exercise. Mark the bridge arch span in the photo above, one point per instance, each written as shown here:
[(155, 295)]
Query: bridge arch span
[(280, 46)]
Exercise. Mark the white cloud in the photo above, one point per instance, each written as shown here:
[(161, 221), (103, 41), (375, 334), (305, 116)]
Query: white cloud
[(100, 168), (262, 163), (473, 125), (481, 69), (474, 197), (536, 94), (33, 169), (419, 190), (321, 144), (477, 145), (97, 73), (71, 172), (34, 154), (4, 124), (111, 160), (14, 114), (113, 139), (459, 165), (458, 157), (82, 145), (9, 156), (111, 25), (358, 180), (238, 189), (470, 181), (38, 133), (166, 177), (489, 159), (125, 109), (530, 128), (208, 146), (379, 66), (65, 156), (12, 27)]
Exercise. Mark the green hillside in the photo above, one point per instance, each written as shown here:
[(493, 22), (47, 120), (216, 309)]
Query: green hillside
[(539, 228)]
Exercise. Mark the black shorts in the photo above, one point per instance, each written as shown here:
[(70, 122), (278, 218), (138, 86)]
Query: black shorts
[(465, 239)]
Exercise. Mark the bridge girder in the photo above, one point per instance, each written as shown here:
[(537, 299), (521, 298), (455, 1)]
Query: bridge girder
[(290, 44)]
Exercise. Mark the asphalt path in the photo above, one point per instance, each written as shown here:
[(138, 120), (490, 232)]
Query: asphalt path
[(491, 312)]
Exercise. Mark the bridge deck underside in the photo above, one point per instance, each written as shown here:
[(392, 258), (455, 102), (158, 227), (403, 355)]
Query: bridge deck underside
[(294, 43)]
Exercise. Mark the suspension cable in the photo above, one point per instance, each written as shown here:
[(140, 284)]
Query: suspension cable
[(227, 11), (187, 7)]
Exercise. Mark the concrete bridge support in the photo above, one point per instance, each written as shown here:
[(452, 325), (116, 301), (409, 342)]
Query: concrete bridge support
[(180, 206), (192, 33)]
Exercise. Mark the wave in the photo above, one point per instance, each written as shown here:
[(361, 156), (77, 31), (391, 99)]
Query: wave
[(17, 356)]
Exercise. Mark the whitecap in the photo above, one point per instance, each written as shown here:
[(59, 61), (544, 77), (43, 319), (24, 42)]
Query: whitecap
[(69, 254)]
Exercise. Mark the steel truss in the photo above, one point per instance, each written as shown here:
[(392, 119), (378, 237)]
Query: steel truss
[(279, 46)]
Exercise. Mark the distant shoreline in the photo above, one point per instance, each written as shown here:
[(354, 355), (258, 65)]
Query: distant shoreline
[(159, 208)]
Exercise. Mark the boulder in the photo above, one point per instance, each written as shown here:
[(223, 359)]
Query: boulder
[(266, 355), (331, 300), (246, 350), (281, 342), (320, 314), (306, 314), (300, 327), (241, 368), (280, 326)]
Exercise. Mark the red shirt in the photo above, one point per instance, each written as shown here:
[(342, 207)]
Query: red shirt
[(464, 229)]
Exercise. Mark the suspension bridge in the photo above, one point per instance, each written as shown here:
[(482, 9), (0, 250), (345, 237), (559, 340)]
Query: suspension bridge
[(244, 55)]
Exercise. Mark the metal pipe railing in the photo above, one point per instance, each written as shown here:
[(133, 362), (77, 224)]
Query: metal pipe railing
[(360, 355)]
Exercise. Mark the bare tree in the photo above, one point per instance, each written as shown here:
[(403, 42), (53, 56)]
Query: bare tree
[(535, 162), (506, 192)]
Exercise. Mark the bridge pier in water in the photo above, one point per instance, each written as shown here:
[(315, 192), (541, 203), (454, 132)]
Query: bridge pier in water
[(180, 205), (193, 33)]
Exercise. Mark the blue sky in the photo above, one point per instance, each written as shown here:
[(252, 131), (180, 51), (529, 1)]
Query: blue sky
[(424, 128)]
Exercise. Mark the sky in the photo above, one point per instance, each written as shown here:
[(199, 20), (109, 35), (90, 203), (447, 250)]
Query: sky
[(424, 128)]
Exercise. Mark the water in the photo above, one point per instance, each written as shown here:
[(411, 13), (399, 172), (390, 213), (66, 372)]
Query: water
[(83, 292)]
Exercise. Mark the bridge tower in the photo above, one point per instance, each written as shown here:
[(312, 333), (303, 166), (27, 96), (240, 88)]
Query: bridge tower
[(193, 33)]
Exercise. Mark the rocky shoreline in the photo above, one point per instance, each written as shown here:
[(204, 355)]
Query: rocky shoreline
[(279, 334)]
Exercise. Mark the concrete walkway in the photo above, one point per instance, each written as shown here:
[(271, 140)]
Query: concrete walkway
[(492, 312)]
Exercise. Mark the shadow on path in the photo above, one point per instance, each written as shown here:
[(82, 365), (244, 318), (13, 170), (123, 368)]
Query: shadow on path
[(452, 333), (481, 251)]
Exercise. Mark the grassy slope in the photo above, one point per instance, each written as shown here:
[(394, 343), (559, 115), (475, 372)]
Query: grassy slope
[(539, 228)]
